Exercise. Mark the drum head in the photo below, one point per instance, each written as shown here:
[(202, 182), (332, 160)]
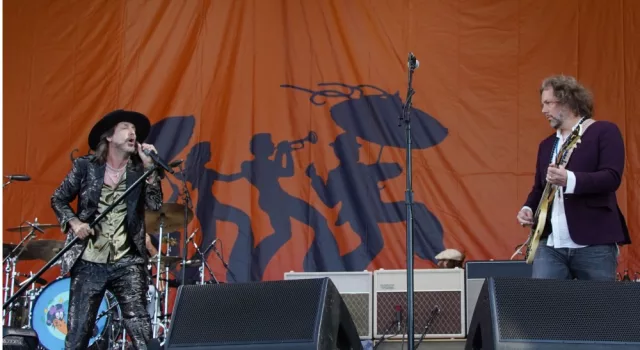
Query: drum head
[(50, 315)]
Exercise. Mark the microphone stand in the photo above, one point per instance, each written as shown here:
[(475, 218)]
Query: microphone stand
[(187, 206), (406, 118), (204, 262), (77, 239), (226, 266)]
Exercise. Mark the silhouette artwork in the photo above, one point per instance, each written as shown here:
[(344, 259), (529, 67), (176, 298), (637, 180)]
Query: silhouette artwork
[(264, 173), (374, 118), (209, 210)]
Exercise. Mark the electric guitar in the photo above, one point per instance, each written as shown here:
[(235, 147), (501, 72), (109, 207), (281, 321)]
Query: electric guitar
[(543, 211)]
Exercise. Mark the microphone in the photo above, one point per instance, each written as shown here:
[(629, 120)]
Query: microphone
[(18, 177), (193, 234), (413, 61), (175, 163), (157, 160)]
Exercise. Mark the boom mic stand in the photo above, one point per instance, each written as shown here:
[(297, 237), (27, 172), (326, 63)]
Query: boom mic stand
[(204, 262), (226, 266), (406, 118), (77, 239)]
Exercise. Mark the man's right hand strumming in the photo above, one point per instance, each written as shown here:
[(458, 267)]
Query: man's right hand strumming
[(80, 229), (525, 217)]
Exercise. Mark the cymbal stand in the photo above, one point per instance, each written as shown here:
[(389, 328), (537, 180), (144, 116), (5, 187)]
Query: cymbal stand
[(165, 317), (158, 273), (204, 262), (31, 294), (9, 276), (22, 242), (10, 273)]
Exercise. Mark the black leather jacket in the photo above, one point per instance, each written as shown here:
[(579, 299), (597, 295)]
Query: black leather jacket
[(85, 181)]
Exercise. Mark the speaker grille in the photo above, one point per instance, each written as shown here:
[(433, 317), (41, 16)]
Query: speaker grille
[(567, 310), (358, 305), (448, 321), (205, 307)]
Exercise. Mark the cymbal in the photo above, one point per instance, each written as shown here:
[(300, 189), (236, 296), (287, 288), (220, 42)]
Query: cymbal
[(173, 260), (171, 215), (24, 228), (39, 249)]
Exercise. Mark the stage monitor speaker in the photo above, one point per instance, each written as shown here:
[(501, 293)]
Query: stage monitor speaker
[(526, 313), (477, 271), (355, 288), (297, 314), (19, 339)]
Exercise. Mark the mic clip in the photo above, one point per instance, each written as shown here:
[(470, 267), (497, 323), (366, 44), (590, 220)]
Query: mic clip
[(158, 161)]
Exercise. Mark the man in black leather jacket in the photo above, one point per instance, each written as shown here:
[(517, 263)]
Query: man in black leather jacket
[(112, 255)]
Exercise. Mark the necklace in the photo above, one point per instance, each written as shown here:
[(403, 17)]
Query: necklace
[(115, 174)]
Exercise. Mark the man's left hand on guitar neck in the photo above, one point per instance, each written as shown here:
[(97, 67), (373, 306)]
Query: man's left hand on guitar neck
[(557, 175)]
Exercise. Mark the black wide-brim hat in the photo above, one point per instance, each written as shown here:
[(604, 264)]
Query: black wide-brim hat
[(139, 120)]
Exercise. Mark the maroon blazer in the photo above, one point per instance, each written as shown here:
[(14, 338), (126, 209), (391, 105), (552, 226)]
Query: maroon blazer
[(592, 210)]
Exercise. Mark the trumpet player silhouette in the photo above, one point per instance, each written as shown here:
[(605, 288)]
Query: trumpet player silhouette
[(263, 173)]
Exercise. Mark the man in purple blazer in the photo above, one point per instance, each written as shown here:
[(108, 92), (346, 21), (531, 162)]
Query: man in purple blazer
[(584, 225)]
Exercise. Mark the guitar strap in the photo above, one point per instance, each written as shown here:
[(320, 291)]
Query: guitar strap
[(583, 125), (583, 128)]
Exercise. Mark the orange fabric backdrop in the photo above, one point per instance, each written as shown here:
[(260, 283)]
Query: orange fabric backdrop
[(66, 63)]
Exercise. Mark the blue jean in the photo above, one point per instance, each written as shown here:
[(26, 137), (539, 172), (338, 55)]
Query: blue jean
[(596, 262)]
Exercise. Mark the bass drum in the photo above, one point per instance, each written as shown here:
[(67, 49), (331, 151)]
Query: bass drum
[(50, 312)]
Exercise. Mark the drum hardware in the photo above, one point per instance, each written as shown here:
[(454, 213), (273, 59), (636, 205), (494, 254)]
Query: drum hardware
[(204, 262), (41, 249), (76, 239), (188, 213), (38, 280), (168, 218), (168, 261), (158, 260), (112, 340), (10, 270), (30, 225)]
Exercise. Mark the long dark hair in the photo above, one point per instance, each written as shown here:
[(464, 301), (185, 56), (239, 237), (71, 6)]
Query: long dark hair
[(102, 149)]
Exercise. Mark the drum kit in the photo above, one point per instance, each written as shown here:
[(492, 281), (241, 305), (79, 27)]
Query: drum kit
[(43, 307)]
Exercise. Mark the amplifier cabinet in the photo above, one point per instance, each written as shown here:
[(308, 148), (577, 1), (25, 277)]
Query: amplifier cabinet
[(434, 289), (356, 289), (477, 271)]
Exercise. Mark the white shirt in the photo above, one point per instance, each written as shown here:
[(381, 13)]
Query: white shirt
[(559, 237)]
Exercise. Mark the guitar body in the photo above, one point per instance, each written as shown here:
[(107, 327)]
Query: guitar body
[(534, 238)]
